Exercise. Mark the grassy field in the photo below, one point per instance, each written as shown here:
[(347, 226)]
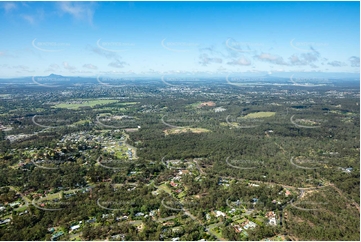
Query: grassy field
[(110, 109), (21, 209), (343, 113), (137, 222), (80, 122), (260, 115), (217, 232), (307, 122), (240, 221), (194, 105), (165, 188), (226, 124), (185, 130), (181, 195), (51, 196), (76, 104), (276, 238), (126, 103)]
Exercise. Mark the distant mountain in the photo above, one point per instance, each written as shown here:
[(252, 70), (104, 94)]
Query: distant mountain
[(55, 75)]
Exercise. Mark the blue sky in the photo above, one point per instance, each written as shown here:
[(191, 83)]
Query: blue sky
[(157, 38)]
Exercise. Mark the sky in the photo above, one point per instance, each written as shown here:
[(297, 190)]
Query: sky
[(158, 38)]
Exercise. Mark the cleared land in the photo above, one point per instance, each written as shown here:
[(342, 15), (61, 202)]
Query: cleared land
[(185, 130), (76, 104), (202, 104), (126, 103), (260, 115)]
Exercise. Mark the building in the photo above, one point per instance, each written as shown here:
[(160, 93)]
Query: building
[(349, 169), (153, 213), (56, 235), (122, 218), (249, 225), (14, 204), (5, 221), (93, 220), (273, 221), (233, 210), (75, 227), (270, 214), (287, 193), (237, 228), (219, 213), (254, 200), (139, 214)]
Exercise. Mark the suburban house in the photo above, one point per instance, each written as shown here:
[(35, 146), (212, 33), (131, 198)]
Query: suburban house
[(237, 228), (219, 213), (139, 214), (75, 227), (273, 221), (248, 224), (270, 214), (173, 184), (56, 235)]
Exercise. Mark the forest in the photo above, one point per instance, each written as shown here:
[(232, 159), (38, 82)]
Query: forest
[(185, 153)]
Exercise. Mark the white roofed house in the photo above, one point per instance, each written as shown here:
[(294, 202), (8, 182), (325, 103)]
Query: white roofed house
[(272, 218), (75, 227), (139, 214), (219, 213), (273, 221)]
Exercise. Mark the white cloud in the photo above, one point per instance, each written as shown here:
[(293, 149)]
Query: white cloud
[(68, 67), (117, 64), (33, 18), (212, 51), (311, 56), (221, 69), (9, 6), (81, 72), (240, 62), (79, 10), (53, 68), (336, 63), (295, 60), (267, 57), (205, 60), (210, 55), (104, 53), (303, 59), (355, 61), (90, 66), (30, 19), (22, 68), (109, 55)]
